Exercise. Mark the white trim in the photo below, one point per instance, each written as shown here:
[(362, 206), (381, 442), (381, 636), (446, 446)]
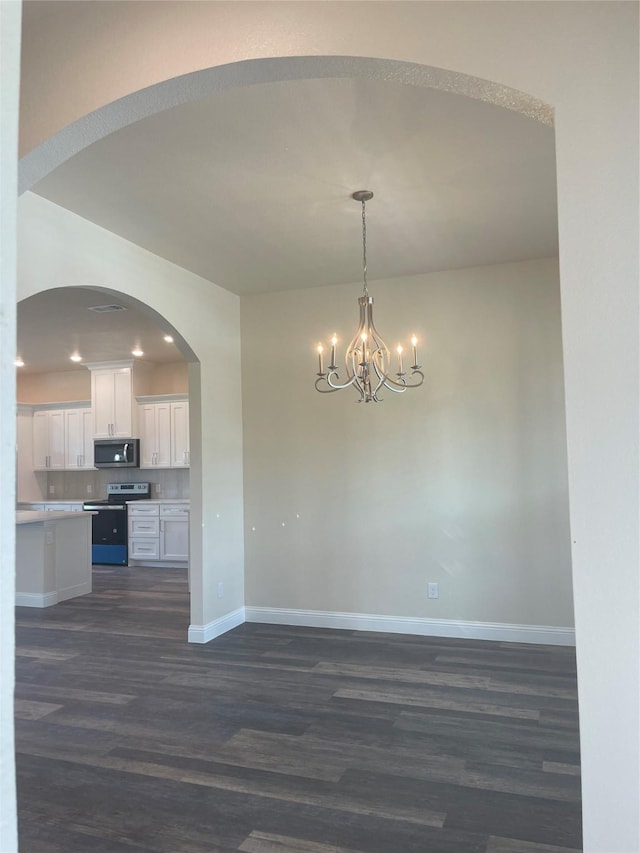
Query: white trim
[(204, 633), (163, 398), (63, 404), (83, 588), (36, 599), (504, 632), (109, 365)]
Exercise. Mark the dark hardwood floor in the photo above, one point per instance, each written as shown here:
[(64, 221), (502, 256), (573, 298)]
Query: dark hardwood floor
[(275, 739)]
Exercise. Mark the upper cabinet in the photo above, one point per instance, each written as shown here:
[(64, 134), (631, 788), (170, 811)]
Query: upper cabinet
[(48, 440), (155, 435), (63, 438), (78, 438), (164, 433), (180, 447), (112, 398)]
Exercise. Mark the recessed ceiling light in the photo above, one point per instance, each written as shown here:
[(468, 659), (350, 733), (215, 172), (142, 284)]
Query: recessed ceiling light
[(75, 357), (19, 362), (137, 352), (168, 339)]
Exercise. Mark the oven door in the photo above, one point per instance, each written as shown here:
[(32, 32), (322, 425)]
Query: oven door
[(109, 534)]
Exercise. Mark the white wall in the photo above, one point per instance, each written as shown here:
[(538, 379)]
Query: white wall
[(581, 58), (56, 248), (463, 481), (9, 68)]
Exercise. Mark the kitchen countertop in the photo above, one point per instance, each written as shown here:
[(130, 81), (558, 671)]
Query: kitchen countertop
[(58, 501), (26, 516), (162, 501)]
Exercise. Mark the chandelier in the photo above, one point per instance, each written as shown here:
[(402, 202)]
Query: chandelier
[(367, 359)]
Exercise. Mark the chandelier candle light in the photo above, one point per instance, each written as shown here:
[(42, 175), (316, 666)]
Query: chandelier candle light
[(367, 359)]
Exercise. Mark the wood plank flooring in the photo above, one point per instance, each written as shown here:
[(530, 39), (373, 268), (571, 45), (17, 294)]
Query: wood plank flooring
[(284, 740)]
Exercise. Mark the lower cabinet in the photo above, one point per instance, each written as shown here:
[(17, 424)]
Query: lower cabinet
[(158, 532)]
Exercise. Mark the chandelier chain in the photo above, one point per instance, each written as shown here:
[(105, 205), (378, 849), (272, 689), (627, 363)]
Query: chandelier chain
[(365, 289)]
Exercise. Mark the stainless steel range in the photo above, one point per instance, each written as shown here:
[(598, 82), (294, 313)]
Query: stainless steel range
[(109, 525)]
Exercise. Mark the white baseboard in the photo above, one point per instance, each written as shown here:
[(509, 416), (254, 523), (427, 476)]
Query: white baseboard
[(36, 599), (204, 633), (74, 591), (506, 633)]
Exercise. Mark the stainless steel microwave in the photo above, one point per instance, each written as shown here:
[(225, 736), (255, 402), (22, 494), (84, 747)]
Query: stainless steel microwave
[(116, 453)]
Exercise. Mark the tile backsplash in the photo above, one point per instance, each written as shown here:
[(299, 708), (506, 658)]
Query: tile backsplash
[(84, 485)]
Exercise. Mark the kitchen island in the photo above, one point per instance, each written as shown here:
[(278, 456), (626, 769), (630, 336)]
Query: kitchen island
[(53, 557)]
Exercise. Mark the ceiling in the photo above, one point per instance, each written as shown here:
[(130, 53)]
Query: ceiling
[(251, 188), (55, 324)]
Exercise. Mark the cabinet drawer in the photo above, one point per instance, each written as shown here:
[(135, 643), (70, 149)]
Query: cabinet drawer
[(174, 511), (144, 526), (144, 549), (143, 509)]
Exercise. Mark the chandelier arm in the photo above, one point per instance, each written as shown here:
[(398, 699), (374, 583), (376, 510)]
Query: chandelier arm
[(324, 390), (402, 386), (338, 387)]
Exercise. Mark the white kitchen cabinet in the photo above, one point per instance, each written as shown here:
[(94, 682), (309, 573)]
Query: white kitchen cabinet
[(78, 439), (164, 434), (144, 549), (155, 435), (48, 440), (112, 400), (174, 532), (180, 448), (158, 532)]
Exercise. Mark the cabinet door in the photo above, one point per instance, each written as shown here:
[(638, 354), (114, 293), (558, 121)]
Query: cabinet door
[(163, 435), (102, 400), (78, 438), (111, 396), (148, 442), (40, 440), (56, 439), (87, 438), (74, 438), (180, 435), (122, 403), (174, 539)]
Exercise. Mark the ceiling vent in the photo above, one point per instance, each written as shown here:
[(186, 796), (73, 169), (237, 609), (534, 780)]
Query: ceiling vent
[(105, 309)]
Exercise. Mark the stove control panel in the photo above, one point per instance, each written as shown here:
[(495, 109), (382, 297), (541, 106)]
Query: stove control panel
[(129, 490)]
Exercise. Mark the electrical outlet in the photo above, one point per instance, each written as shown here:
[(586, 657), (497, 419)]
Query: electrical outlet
[(157, 489), (52, 490), (89, 488), (220, 589), (432, 590)]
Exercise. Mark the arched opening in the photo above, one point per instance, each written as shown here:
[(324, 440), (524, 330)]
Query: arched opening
[(99, 325), (219, 85)]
